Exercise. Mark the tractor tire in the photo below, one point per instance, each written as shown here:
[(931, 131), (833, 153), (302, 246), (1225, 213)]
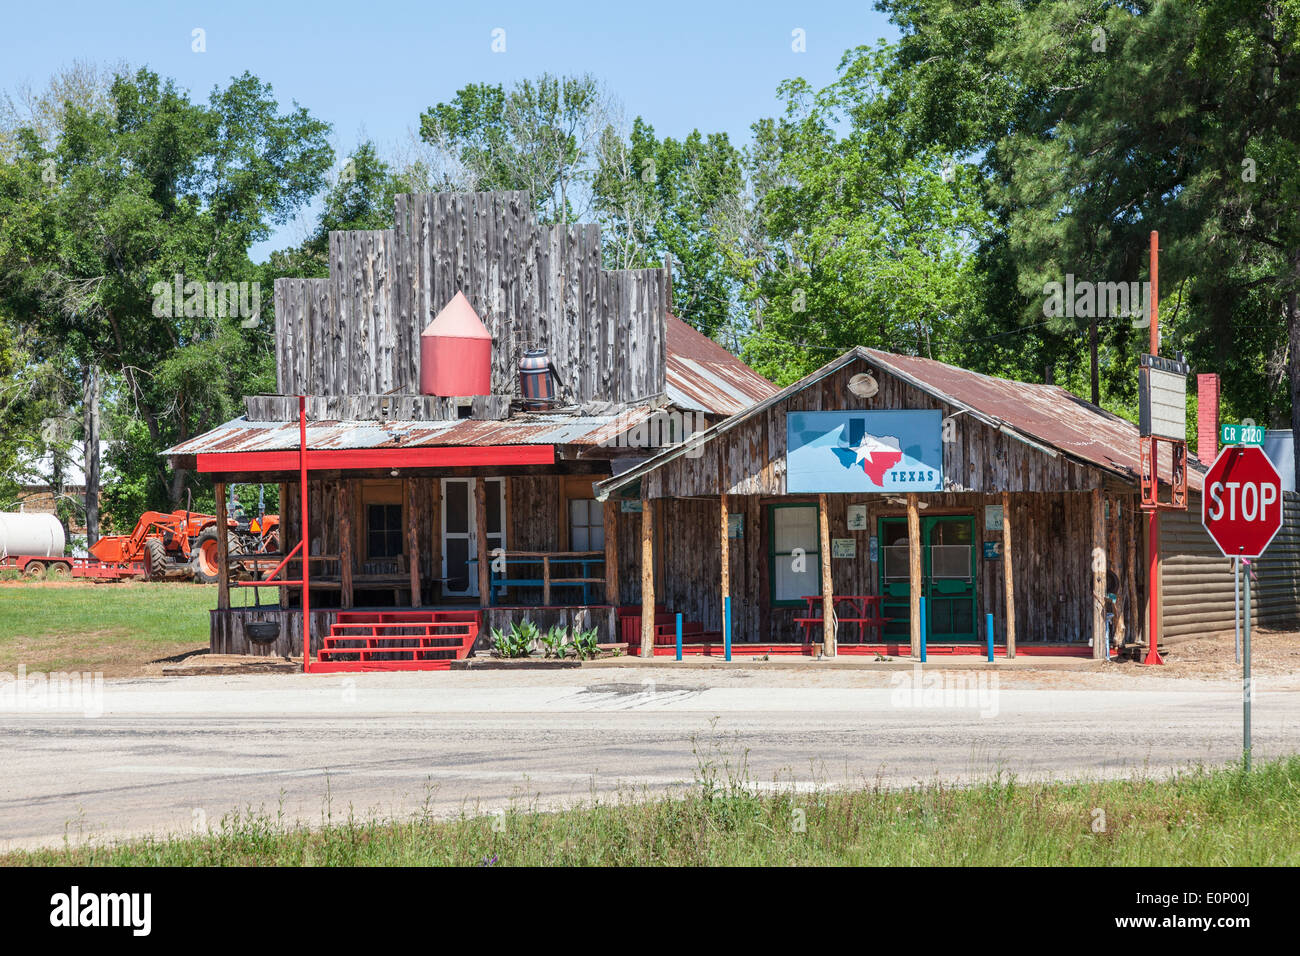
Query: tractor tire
[(59, 571), (155, 559), (204, 562), (35, 571)]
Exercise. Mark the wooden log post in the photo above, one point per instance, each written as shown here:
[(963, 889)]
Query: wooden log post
[(1008, 575), (346, 538), (223, 548), (286, 541), (480, 543), (610, 515), (1115, 562), (828, 590), (1130, 570), (413, 543), (914, 570), (725, 548), (546, 580), (1100, 651), (647, 578)]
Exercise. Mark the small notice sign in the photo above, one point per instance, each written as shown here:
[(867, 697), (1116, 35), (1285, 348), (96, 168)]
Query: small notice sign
[(992, 550), (735, 526), (631, 506), (844, 547), (992, 517), (857, 518)]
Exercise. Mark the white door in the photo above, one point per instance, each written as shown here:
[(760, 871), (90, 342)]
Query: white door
[(460, 532)]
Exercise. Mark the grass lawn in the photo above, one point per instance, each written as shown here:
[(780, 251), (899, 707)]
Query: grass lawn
[(114, 628), (1210, 818)]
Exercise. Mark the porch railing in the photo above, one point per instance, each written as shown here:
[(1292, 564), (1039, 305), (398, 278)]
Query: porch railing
[(546, 570)]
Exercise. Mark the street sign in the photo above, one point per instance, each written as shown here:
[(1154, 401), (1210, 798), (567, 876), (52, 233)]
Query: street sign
[(1162, 397), (1241, 435), (1241, 508), (1241, 505)]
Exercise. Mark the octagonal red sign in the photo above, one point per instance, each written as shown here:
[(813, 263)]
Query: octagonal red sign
[(1241, 505)]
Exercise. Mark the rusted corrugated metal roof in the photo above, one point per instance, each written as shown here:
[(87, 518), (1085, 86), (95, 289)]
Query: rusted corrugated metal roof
[(242, 435), (704, 376), (1046, 413), (1047, 416)]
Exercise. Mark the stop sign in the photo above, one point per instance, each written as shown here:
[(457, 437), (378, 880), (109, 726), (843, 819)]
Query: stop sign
[(1241, 504)]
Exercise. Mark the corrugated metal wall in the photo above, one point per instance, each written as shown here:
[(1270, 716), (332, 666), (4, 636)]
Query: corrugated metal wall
[(1197, 583)]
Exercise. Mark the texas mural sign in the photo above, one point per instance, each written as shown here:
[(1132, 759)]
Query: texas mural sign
[(859, 451)]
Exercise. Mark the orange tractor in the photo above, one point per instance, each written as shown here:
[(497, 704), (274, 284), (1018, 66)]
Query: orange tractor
[(185, 543)]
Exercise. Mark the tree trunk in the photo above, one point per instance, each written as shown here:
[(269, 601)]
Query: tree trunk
[(91, 393)]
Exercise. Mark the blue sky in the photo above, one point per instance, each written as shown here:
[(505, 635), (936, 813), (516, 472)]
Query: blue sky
[(370, 68)]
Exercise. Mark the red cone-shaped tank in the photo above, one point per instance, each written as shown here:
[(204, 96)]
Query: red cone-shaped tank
[(456, 352)]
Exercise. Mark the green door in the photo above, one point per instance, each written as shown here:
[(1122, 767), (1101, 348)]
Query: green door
[(947, 577)]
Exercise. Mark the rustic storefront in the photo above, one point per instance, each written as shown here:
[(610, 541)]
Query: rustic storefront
[(986, 498)]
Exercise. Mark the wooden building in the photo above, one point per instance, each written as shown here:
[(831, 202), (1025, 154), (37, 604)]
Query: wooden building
[(662, 476), (1028, 511), (407, 491)]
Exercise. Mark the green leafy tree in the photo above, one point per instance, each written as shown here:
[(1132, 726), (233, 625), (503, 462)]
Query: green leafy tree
[(868, 241), (667, 199), (101, 222), (540, 135)]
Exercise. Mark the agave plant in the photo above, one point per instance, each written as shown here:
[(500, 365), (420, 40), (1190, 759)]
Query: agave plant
[(517, 642), (555, 641)]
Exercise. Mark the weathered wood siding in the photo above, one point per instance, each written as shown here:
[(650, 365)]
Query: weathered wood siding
[(750, 458), (534, 286), (228, 635), (1052, 562), (1197, 580)]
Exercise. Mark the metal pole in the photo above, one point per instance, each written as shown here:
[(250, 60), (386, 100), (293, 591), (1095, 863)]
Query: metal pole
[(306, 565), (1236, 609), (679, 635), (1246, 691), (988, 618), (1153, 516), (726, 626)]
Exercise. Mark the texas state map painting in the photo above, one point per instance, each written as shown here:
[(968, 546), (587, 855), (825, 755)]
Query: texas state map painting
[(853, 451)]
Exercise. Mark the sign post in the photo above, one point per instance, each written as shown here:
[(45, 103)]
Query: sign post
[(1241, 509)]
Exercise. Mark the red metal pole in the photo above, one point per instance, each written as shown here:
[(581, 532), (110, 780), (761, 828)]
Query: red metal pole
[(1153, 515), (306, 551)]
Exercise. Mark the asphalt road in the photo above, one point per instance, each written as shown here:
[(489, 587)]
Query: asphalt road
[(175, 754)]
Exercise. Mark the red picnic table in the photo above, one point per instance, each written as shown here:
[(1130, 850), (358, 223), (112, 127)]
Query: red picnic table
[(863, 610)]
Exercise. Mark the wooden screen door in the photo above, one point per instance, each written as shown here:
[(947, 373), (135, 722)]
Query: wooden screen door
[(460, 532)]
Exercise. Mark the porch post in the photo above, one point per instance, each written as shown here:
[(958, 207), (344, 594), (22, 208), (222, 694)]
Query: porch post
[(1115, 561), (914, 570), (413, 543), (282, 534), (223, 548), (1099, 650), (647, 578), (828, 595), (480, 535), (725, 546), (610, 515), (345, 542), (1008, 575)]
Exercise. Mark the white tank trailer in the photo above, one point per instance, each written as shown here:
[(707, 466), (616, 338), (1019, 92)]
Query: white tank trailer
[(39, 535)]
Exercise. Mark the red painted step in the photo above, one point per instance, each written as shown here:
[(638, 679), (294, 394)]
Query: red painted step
[(397, 641)]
